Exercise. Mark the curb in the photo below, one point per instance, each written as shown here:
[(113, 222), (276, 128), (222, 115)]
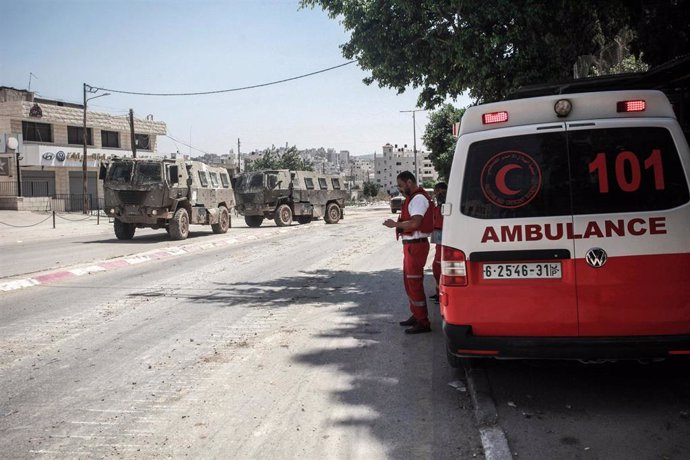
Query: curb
[(50, 277), (494, 440)]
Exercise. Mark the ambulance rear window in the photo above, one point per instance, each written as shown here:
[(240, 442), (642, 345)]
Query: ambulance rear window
[(625, 170), (517, 176)]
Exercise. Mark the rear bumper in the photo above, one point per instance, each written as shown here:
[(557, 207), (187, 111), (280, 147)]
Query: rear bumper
[(461, 342)]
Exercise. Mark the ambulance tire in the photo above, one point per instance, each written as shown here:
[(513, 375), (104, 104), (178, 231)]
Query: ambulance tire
[(253, 221), (223, 221), (332, 213), (456, 362), (124, 231), (283, 216), (179, 225)]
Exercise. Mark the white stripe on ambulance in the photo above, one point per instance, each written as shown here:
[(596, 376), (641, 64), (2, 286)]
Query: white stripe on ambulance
[(608, 228)]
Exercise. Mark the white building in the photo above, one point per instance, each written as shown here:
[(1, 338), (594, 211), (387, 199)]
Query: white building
[(395, 160), (50, 150)]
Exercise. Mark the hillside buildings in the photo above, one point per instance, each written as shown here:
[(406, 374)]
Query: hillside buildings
[(395, 160)]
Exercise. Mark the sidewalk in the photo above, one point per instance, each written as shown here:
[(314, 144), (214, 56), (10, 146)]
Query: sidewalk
[(31, 226)]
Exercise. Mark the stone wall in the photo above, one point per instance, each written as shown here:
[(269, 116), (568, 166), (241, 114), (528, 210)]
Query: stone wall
[(21, 203)]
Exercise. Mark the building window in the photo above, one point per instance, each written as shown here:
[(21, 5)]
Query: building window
[(75, 135), (397, 163), (110, 139), (142, 141), (37, 132)]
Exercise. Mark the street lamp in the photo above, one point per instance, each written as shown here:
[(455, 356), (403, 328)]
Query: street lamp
[(92, 90), (414, 140)]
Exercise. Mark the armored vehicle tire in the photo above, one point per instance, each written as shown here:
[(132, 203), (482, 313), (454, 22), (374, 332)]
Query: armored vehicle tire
[(332, 213), (179, 225), (223, 221), (283, 215), (253, 221), (303, 219), (124, 231)]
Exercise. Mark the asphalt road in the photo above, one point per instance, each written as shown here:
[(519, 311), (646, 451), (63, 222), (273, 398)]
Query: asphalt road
[(286, 346)]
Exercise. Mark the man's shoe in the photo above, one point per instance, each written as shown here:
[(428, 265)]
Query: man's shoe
[(434, 297), (408, 322), (418, 329)]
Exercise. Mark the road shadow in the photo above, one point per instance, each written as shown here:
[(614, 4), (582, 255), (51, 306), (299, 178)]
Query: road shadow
[(397, 385)]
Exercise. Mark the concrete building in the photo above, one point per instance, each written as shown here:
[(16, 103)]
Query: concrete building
[(50, 147), (395, 160), (361, 170)]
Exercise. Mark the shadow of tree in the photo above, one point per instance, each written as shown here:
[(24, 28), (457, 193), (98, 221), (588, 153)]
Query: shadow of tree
[(397, 384)]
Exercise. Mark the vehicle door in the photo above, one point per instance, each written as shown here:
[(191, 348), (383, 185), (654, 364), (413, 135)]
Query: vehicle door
[(513, 228), (630, 200)]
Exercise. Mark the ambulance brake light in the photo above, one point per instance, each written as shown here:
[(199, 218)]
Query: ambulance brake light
[(453, 269), (631, 106), (494, 117)]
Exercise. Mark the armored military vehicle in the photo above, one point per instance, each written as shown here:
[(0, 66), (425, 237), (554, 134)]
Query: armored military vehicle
[(284, 196), (168, 194)]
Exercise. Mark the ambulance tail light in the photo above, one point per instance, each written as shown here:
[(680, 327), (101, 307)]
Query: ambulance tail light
[(453, 268), (494, 117), (631, 106)]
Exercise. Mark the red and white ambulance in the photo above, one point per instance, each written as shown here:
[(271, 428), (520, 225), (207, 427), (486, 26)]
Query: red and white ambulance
[(567, 230)]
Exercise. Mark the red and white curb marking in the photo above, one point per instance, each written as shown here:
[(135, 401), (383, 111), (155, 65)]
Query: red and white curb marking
[(126, 261)]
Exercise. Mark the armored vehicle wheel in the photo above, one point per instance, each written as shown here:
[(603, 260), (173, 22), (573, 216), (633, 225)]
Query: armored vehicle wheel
[(179, 225), (223, 221), (303, 219), (253, 221), (332, 213), (283, 215), (124, 231)]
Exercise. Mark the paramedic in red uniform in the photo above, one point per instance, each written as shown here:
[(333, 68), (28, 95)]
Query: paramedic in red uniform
[(415, 225), (440, 190)]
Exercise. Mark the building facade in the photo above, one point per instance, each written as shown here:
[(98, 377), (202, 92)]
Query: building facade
[(395, 160), (49, 154)]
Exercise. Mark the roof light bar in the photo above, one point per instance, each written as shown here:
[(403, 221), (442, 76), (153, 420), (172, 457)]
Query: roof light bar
[(494, 117), (631, 106)]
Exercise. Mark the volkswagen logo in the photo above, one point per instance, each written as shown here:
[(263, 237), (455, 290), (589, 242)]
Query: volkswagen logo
[(60, 156), (596, 257)]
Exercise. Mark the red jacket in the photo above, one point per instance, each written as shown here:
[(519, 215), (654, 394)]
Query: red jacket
[(427, 225)]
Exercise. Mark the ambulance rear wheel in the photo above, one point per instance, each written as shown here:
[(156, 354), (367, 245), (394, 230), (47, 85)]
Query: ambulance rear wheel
[(283, 216), (253, 221), (223, 221), (332, 213), (179, 225), (124, 231)]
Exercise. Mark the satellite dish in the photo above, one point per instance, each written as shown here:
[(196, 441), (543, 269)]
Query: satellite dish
[(12, 143)]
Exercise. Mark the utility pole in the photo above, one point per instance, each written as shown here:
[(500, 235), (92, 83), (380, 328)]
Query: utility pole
[(239, 158), (414, 141), (85, 190), (131, 132)]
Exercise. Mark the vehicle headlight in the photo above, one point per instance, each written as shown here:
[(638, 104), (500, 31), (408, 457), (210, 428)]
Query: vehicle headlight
[(154, 212)]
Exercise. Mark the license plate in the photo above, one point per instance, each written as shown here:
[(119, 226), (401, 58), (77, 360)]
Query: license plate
[(522, 271)]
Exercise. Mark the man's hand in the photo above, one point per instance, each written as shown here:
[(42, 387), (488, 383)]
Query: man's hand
[(390, 223)]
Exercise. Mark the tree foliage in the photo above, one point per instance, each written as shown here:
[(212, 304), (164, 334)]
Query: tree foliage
[(438, 137), (290, 159), (371, 189), (489, 48)]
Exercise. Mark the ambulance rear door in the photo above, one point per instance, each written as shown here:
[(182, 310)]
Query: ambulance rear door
[(631, 226), (515, 212)]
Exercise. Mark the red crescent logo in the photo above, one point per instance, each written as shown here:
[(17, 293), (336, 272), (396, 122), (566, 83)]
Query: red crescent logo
[(501, 179)]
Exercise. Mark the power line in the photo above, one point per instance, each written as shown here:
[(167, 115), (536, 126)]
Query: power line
[(186, 145), (202, 93)]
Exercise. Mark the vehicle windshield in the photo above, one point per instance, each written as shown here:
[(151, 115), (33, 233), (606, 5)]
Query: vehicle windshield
[(121, 171), (250, 182), (148, 173)]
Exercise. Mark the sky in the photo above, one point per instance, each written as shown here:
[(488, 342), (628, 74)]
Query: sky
[(199, 45)]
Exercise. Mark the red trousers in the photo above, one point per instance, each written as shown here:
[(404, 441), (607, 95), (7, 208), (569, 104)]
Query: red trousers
[(414, 259), (436, 266)]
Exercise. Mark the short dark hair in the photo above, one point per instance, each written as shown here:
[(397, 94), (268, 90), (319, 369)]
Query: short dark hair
[(441, 186), (407, 175)]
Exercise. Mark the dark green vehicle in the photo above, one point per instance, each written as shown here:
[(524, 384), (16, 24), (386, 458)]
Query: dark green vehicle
[(283, 196), (168, 194)]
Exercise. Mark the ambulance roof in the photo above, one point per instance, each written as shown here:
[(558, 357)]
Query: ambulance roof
[(585, 106)]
